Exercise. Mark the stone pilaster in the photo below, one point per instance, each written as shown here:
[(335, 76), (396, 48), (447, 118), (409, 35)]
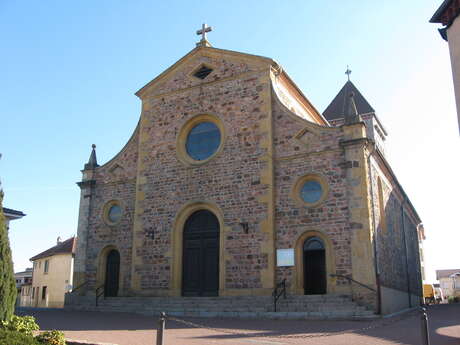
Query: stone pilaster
[(360, 217), (86, 186)]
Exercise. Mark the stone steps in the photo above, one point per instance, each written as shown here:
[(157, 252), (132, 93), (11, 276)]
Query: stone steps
[(317, 306)]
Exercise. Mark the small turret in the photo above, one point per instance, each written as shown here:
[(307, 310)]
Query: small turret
[(351, 114), (92, 162)]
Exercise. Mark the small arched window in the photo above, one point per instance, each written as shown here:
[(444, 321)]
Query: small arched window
[(313, 243)]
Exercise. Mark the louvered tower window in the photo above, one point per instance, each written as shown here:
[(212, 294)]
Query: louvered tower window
[(202, 72)]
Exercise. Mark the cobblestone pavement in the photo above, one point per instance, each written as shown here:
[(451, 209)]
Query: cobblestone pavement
[(132, 329)]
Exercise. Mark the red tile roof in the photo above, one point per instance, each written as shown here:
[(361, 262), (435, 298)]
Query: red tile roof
[(66, 247), (447, 12)]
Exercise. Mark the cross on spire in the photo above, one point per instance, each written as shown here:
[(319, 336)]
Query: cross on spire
[(348, 72), (204, 29)]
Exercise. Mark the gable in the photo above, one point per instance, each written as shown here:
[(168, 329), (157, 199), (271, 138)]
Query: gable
[(201, 66)]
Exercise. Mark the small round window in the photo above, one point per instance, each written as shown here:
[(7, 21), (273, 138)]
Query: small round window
[(311, 191), (203, 140), (114, 214)]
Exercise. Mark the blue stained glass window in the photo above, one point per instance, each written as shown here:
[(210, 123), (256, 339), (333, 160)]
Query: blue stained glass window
[(311, 191), (114, 214), (203, 141)]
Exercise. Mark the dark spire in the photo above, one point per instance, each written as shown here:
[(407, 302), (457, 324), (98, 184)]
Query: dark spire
[(351, 114), (92, 162), (339, 105)]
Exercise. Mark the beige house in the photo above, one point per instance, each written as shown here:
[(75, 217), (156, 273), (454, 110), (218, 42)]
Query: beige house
[(447, 15), (449, 281), (52, 275), (23, 286)]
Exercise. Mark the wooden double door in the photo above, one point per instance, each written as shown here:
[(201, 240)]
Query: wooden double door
[(200, 260)]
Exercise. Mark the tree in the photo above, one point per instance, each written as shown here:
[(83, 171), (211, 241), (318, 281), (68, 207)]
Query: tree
[(7, 282)]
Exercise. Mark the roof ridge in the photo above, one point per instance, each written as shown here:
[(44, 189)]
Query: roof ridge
[(67, 246)]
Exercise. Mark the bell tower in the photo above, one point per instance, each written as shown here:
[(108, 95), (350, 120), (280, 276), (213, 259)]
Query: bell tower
[(350, 105)]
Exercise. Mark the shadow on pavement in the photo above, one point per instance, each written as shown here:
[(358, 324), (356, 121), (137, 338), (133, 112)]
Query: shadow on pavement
[(444, 325)]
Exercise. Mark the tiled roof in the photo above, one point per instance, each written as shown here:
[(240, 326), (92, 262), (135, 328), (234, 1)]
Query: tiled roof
[(447, 12), (68, 246), (339, 105), (445, 273)]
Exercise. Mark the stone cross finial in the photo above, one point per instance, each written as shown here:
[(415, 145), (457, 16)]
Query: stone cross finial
[(204, 29), (348, 72)]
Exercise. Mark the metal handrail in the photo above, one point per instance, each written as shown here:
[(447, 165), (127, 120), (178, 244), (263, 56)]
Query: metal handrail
[(99, 294), (80, 286), (354, 281), (277, 294)]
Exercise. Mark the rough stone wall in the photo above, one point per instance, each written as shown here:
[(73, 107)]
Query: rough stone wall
[(116, 180), (415, 274), (397, 242), (316, 151), (183, 79), (391, 244), (231, 180)]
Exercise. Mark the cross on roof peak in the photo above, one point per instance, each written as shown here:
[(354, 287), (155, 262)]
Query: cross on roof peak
[(348, 72), (204, 29)]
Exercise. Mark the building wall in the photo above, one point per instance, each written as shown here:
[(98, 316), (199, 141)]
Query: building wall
[(450, 286), (251, 180), (154, 185), (303, 149), (453, 35), (235, 184), (396, 241), (115, 180), (25, 296), (58, 280)]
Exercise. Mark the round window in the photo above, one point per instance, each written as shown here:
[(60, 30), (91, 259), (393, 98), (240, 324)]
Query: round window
[(114, 213), (203, 140), (311, 191)]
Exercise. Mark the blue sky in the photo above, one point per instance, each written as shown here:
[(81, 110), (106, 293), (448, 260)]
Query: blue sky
[(70, 70)]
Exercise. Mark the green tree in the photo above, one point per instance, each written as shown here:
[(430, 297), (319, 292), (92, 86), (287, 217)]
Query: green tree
[(7, 282)]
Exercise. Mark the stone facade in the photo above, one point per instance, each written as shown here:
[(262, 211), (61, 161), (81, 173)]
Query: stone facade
[(272, 137), (397, 233)]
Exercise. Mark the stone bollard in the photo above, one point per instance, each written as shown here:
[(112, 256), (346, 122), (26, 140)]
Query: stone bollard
[(424, 327), (161, 329)]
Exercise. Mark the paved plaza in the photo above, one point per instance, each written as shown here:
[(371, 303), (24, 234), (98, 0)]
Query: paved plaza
[(133, 329)]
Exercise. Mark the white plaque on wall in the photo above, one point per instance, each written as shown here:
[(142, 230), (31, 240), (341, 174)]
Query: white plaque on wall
[(285, 257)]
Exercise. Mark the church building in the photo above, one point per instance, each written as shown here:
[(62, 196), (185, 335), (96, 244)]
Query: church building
[(233, 184)]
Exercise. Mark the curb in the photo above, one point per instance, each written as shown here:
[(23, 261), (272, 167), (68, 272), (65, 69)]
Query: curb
[(401, 312), (84, 342)]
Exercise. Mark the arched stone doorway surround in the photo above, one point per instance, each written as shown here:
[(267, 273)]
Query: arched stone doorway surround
[(298, 286), (177, 243), (102, 267)]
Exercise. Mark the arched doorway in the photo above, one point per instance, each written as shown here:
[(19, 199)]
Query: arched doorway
[(314, 263), (200, 263), (112, 273)]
